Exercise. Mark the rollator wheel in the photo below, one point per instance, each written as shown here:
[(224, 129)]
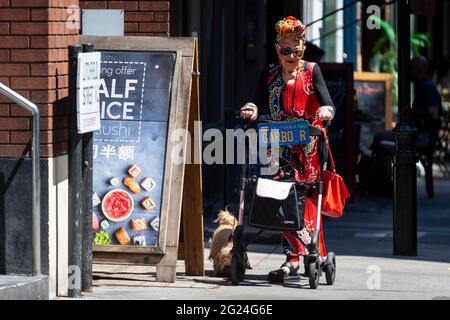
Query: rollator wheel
[(237, 270), (330, 269), (314, 274)]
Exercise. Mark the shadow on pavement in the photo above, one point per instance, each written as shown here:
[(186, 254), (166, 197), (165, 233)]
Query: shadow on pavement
[(366, 229)]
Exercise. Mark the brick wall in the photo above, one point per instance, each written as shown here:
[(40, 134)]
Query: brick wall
[(34, 36), (143, 18), (33, 61)]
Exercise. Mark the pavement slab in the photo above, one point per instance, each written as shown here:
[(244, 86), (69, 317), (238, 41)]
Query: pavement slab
[(366, 266)]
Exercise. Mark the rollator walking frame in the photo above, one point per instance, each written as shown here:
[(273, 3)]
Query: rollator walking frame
[(313, 263)]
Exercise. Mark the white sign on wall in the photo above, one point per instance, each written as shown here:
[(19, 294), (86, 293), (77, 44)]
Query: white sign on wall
[(88, 97)]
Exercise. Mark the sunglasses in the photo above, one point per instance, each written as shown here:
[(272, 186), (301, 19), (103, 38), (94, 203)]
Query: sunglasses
[(286, 51)]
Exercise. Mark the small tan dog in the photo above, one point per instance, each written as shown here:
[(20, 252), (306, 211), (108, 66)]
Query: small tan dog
[(222, 243)]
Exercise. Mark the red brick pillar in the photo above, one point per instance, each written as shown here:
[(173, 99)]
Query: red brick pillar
[(34, 35)]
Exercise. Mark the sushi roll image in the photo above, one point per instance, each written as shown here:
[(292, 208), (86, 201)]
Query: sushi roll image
[(95, 199), (122, 236), (139, 240), (134, 171), (132, 185), (148, 204), (148, 184), (138, 224), (104, 224), (114, 181), (155, 223)]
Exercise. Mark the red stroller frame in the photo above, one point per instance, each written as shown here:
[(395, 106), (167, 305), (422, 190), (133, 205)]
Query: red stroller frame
[(313, 263)]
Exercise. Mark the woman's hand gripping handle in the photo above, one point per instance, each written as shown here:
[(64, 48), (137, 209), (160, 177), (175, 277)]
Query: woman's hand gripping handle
[(249, 111)]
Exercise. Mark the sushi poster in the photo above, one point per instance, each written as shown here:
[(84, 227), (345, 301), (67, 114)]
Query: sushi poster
[(129, 148)]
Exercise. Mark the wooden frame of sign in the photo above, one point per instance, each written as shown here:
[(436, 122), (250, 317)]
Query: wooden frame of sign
[(387, 79), (184, 110)]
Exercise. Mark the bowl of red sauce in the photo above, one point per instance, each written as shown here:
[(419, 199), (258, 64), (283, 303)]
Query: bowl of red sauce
[(117, 205)]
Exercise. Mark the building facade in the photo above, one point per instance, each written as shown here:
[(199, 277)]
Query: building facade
[(34, 40), (236, 39)]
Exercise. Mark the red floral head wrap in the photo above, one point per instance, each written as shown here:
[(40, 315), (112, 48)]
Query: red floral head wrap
[(290, 26)]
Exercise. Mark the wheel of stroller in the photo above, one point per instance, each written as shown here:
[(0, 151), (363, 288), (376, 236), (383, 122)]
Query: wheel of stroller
[(314, 274), (330, 268), (237, 270)]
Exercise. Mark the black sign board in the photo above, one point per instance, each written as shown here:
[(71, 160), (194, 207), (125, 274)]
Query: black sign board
[(339, 81), (130, 147), (374, 96)]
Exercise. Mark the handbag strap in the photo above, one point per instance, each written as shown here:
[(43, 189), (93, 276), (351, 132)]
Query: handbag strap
[(330, 155)]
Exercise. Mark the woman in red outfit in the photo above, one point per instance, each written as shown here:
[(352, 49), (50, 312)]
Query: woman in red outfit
[(294, 90)]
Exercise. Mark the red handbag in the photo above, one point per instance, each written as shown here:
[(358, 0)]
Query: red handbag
[(336, 192)]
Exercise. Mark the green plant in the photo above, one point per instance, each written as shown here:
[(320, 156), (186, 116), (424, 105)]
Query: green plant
[(385, 52)]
